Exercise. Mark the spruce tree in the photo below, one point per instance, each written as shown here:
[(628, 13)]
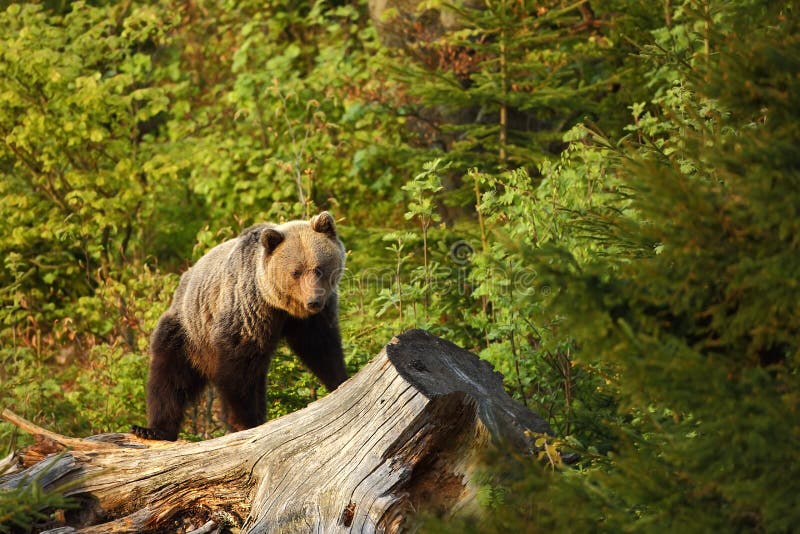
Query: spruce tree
[(499, 92), (696, 311)]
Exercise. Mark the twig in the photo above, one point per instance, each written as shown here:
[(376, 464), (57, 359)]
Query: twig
[(72, 443), (205, 529)]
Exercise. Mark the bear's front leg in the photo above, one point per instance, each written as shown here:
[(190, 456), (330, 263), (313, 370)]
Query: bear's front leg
[(242, 386), (317, 342)]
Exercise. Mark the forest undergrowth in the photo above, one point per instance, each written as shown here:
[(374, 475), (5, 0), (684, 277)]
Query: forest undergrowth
[(601, 199)]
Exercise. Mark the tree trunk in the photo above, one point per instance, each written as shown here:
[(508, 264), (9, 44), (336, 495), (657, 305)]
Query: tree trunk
[(400, 438)]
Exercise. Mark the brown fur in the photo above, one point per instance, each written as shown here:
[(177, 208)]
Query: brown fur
[(229, 313)]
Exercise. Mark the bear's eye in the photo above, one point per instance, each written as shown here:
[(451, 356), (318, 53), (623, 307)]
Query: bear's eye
[(296, 273), (318, 272)]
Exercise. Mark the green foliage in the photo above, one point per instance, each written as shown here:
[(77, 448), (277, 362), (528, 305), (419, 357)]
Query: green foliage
[(522, 338), (687, 296), (78, 383), (608, 215), (272, 133), (82, 186), (503, 88)]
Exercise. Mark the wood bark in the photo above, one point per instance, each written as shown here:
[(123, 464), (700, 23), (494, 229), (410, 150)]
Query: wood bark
[(400, 438)]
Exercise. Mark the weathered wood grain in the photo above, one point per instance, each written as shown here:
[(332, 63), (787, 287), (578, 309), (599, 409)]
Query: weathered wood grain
[(400, 437)]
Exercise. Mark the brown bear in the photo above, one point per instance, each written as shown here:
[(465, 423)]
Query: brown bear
[(230, 311)]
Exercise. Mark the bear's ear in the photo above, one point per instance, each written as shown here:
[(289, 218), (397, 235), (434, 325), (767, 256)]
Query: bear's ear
[(270, 239), (324, 224)]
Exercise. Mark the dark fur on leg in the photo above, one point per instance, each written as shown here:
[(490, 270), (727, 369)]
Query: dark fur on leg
[(172, 384), (243, 386), (244, 406), (317, 342)]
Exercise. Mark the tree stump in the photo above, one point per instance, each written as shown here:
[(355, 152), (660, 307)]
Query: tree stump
[(400, 438)]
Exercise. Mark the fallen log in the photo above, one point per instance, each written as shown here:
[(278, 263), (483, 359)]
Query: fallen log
[(400, 438)]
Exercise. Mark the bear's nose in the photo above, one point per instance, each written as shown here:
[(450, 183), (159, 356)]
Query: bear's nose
[(314, 304)]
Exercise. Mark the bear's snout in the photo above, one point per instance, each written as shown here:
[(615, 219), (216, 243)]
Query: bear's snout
[(314, 305)]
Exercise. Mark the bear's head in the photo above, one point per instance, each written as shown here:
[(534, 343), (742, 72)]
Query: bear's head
[(303, 262)]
